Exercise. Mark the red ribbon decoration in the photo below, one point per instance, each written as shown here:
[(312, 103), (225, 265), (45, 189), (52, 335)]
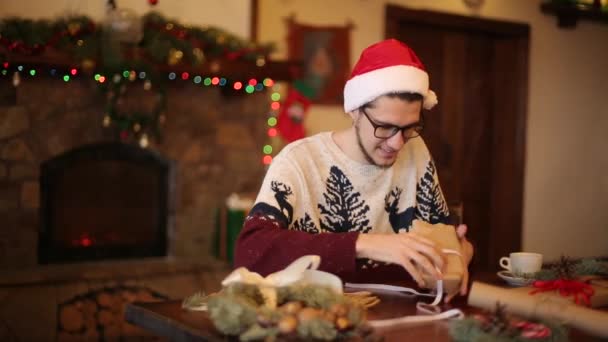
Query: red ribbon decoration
[(532, 330), (581, 291)]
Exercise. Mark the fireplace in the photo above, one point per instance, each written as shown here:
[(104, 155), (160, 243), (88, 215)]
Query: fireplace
[(104, 201)]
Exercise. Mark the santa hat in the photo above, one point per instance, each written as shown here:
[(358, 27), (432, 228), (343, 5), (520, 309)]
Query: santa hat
[(387, 67)]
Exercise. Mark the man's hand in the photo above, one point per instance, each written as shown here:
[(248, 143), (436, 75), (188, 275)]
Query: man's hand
[(404, 250), (466, 249)]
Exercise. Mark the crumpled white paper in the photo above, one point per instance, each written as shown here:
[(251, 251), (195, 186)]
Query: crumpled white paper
[(302, 271)]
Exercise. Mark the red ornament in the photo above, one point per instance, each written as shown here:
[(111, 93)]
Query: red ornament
[(152, 2)]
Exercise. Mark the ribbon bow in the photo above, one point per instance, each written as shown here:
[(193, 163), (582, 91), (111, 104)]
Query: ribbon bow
[(297, 272), (581, 291)]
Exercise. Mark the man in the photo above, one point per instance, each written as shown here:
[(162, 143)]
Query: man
[(351, 196)]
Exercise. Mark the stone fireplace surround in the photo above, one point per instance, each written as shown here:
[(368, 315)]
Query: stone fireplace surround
[(216, 143)]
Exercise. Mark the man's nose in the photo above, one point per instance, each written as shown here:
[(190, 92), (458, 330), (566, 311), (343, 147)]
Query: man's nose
[(397, 141)]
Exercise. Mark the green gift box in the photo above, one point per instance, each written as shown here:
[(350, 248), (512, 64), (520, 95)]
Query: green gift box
[(228, 224)]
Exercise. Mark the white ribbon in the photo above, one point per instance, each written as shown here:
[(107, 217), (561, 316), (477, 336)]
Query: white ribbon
[(431, 312), (304, 271)]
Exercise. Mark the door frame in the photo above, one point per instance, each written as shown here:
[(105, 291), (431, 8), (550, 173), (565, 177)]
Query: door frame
[(510, 65)]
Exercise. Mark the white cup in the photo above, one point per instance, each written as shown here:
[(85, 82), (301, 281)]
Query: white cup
[(522, 262)]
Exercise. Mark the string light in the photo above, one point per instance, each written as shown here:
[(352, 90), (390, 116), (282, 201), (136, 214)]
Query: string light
[(143, 141), (250, 86), (268, 82)]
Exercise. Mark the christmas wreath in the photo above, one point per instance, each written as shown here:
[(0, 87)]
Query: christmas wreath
[(303, 311)]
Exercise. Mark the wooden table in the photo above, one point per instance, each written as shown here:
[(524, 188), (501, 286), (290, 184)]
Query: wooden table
[(169, 320)]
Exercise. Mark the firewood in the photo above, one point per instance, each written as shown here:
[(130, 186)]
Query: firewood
[(71, 318)]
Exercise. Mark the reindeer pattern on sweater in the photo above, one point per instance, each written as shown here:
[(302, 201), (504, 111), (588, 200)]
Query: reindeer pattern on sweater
[(312, 186)]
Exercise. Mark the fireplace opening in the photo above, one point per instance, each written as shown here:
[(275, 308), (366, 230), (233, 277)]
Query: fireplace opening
[(104, 201)]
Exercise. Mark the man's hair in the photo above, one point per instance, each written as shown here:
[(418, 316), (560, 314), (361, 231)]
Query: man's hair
[(406, 96)]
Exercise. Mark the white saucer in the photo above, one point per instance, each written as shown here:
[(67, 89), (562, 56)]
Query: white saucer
[(514, 281)]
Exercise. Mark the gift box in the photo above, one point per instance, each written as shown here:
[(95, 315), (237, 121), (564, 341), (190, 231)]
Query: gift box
[(446, 239), (229, 221)]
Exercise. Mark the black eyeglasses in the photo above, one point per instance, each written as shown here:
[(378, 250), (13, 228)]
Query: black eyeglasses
[(387, 131)]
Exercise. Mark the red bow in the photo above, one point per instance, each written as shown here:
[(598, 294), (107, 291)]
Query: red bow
[(581, 291)]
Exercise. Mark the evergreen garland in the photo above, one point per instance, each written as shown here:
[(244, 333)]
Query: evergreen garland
[(572, 269), (80, 38), (165, 42), (500, 326), (307, 312)]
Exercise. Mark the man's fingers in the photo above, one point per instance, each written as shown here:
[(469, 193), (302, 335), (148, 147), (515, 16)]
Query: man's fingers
[(429, 253), (411, 269), (449, 297), (461, 230), (464, 285), (426, 265), (421, 239)]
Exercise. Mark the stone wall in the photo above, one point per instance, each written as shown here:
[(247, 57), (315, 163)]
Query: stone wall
[(86, 302), (215, 140)]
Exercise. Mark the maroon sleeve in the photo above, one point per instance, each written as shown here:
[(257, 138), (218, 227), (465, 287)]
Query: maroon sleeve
[(264, 247)]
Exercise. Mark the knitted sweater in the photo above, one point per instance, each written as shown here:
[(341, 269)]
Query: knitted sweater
[(316, 200)]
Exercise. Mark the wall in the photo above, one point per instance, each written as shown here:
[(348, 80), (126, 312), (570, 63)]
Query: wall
[(230, 15), (566, 182), (214, 140)]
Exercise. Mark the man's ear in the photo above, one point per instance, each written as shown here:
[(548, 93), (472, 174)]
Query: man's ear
[(354, 114)]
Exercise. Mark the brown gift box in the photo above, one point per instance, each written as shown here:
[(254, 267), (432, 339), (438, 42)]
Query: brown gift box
[(446, 238)]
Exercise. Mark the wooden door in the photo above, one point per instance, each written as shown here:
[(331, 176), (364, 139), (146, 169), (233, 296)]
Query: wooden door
[(478, 68)]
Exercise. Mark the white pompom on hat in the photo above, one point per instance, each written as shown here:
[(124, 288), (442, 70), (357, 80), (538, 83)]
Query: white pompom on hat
[(386, 67)]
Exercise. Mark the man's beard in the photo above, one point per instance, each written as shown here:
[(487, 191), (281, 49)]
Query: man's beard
[(366, 154)]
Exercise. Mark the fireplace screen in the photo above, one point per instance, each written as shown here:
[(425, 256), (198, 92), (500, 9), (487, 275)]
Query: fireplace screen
[(103, 201)]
